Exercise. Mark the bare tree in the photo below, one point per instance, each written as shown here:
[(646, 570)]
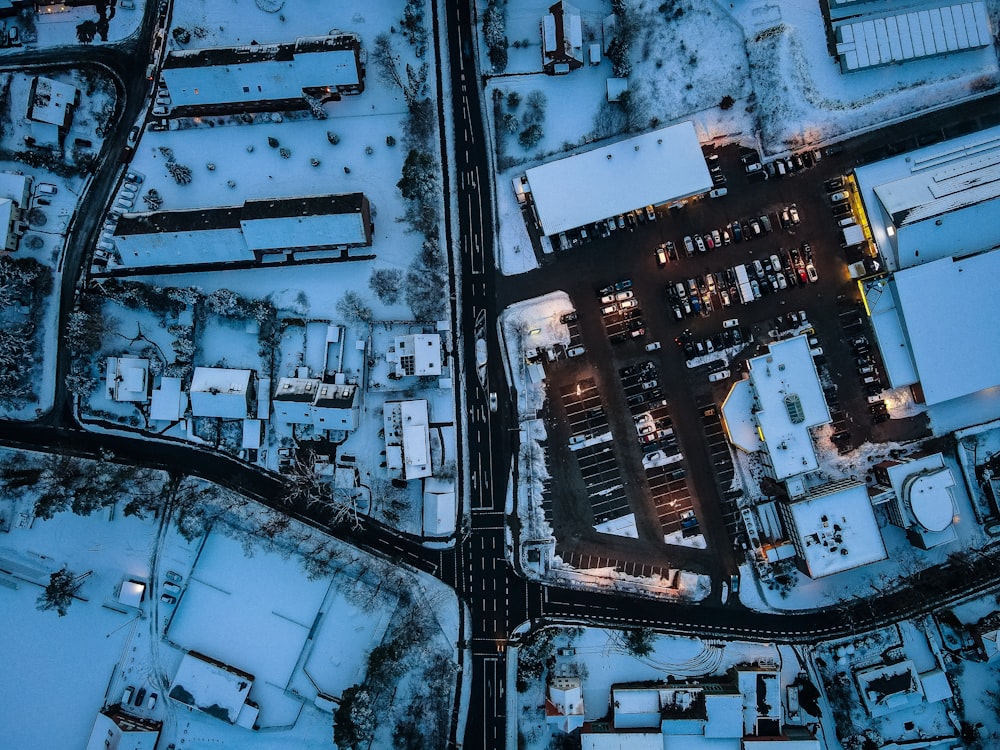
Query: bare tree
[(308, 488)]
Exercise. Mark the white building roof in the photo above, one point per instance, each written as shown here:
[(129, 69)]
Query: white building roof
[(867, 41), (837, 530), (131, 593), (789, 401), (53, 99), (218, 691), (417, 354), (924, 486), (220, 392), (636, 708), (121, 731), (168, 402), (622, 741), (407, 438), (315, 230), (439, 507), (890, 687), (127, 378), (656, 167), (737, 411), (255, 79), (942, 196), (956, 347), (891, 339), (16, 187)]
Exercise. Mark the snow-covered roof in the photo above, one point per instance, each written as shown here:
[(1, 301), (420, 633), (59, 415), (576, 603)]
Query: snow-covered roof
[(949, 310), (636, 707), (924, 485), (836, 529), (897, 358), (622, 741), (114, 729), (887, 688), (935, 685), (131, 593), (308, 222), (867, 41), (52, 102), (407, 438), (662, 165), (416, 354), (937, 201), (788, 401), (252, 434), (16, 187), (128, 378), (252, 73), (439, 507), (725, 715), (220, 392), (210, 686), (168, 402), (737, 415)]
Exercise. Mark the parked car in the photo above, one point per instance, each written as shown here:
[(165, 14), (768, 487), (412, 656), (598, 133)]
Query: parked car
[(715, 377), (576, 351), (623, 284), (842, 195), (650, 213), (652, 346), (811, 272), (628, 304), (609, 309)]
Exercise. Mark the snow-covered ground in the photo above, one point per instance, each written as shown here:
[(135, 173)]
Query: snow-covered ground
[(300, 626)]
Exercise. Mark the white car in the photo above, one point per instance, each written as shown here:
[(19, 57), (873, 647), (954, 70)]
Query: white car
[(652, 346), (622, 296), (493, 401), (811, 272), (715, 377), (731, 323), (628, 304)]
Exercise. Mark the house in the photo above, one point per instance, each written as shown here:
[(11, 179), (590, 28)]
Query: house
[(564, 704), (214, 688), (324, 405), (439, 507), (308, 72), (562, 39), (115, 729), (127, 379), (50, 111), (268, 228), (15, 193), (888, 688), (168, 402), (416, 354), (223, 393), (407, 439), (131, 592)]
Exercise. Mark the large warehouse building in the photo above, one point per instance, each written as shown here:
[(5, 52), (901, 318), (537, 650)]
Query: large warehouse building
[(935, 202), (657, 167), (927, 334)]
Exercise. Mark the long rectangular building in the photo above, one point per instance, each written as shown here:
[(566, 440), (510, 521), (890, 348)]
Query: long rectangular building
[(868, 41), (283, 76), (247, 233), (653, 168)]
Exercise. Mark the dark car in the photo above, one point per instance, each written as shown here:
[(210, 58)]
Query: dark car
[(567, 318), (622, 285)]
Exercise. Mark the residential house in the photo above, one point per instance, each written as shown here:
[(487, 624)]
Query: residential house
[(562, 39), (115, 729), (416, 354), (223, 393), (15, 193), (407, 439), (127, 379), (50, 111), (311, 401)]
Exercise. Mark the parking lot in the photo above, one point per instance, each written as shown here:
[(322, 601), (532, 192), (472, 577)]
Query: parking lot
[(740, 294)]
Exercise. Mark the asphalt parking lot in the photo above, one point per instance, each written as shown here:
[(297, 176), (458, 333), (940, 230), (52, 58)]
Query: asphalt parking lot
[(619, 287)]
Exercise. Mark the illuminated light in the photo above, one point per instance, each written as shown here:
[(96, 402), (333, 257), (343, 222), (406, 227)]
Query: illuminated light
[(534, 331), (890, 230), (864, 298), (760, 434)]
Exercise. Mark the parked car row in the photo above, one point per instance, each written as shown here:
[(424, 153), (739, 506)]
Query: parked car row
[(729, 337), (621, 313), (794, 163)]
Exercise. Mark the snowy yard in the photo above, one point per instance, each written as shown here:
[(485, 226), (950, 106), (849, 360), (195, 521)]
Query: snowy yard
[(297, 609)]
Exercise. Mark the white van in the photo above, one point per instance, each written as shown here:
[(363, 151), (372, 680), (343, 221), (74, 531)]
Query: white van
[(47, 188)]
